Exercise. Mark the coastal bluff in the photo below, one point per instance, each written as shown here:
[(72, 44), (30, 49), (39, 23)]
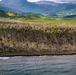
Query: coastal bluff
[(19, 38)]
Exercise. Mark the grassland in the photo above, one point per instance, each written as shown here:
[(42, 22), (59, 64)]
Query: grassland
[(40, 36)]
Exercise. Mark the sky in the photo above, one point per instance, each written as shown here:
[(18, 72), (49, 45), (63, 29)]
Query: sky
[(54, 0)]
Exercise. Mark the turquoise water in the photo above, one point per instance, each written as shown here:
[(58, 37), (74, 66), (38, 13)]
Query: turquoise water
[(42, 65)]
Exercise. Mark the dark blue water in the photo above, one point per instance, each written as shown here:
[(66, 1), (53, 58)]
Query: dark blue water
[(42, 65)]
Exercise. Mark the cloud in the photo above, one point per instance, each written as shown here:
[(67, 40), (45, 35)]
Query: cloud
[(33, 0), (53, 0)]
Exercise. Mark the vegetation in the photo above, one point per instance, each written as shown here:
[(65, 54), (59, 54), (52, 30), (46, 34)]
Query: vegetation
[(16, 16), (37, 35)]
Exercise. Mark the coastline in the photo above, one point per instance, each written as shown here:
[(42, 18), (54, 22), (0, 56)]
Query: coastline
[(32, 39), (12, 55), (37, 55)]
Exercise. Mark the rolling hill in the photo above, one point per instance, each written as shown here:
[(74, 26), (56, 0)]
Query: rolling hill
[(13, 15)]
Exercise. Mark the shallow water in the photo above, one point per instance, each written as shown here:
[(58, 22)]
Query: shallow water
[(42, 65)]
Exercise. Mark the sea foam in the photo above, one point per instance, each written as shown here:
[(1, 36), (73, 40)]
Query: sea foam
[(4, 58)]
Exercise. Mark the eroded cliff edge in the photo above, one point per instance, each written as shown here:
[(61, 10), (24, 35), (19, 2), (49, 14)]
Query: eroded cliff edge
[(17, 38)]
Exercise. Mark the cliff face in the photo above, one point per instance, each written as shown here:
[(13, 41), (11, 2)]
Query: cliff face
[(30, 39)]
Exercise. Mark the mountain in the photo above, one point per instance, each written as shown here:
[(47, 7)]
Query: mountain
[(57, 7), (41, 7), (22, 6)]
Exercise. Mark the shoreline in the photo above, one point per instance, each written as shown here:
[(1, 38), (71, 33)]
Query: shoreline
[(9, 55)]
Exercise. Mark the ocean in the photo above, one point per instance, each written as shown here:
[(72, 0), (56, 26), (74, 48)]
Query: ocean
[(38, 65)]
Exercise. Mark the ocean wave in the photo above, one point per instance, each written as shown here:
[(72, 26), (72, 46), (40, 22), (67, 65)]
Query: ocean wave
[(4, 58)]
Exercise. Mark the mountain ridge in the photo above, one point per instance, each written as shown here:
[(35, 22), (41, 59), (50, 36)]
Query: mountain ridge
[(41, 7)]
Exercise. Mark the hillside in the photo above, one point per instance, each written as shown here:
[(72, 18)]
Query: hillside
[(16, 16), (9, 14)]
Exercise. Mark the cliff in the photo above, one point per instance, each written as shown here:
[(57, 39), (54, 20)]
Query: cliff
[(18, 38)]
